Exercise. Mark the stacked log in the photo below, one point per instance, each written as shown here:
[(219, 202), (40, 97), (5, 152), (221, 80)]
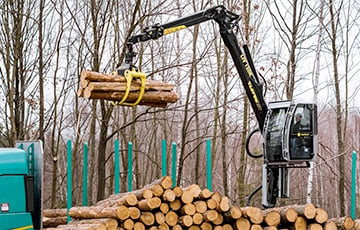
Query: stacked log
[(54, 217), (159, 206), (112, 87)]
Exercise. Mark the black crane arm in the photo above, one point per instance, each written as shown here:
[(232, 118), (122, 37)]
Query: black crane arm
[(227, 21)]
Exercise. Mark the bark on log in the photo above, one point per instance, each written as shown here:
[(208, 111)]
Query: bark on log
[(100, 77), (82, 227), (94, 212), (135, 86), (149, 97), (121, 199), (50, 213), (110, 224), (54, 221)]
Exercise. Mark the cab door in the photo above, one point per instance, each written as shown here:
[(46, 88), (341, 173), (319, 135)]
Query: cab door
[(301, 133)]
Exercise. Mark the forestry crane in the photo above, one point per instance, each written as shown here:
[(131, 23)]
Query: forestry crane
[(289, 129)]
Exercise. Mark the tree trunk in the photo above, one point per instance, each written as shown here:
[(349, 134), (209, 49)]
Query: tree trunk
[(241, 187), (224, 152), (106, 115), (92, 151), (41, 73), (340, 144)]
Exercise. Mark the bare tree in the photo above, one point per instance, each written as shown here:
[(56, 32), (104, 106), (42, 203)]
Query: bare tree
[(16, 25), (290, 21), (340, 144)]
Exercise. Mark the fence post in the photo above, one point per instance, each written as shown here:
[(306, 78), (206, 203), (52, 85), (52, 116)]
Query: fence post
[(208, 163), (69, 178), (85, 174), (353, 186), (129, 167), (173, 164), (117, 169), (163, 157)]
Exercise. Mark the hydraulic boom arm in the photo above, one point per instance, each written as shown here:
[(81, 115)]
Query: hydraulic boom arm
[(228, 22)]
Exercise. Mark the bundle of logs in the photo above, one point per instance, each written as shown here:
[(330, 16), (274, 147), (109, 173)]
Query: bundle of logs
[(112, 87), (159, 206)]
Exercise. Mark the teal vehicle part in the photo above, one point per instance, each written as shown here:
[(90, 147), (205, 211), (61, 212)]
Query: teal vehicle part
[(17, 190)]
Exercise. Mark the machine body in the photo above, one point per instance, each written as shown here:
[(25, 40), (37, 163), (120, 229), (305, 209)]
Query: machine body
[(284, 147)]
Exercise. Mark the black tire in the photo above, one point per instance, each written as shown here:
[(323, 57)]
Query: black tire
[(248, 142)]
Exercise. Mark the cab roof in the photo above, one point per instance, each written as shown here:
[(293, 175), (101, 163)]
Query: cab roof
[(13, 161)]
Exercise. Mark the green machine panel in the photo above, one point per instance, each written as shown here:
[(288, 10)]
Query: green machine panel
[(13, 171), (16, 221), (12, 194), (34, 155)]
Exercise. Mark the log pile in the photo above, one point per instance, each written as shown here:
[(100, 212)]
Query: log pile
[(54, 217), (112, 87), (159, 206)]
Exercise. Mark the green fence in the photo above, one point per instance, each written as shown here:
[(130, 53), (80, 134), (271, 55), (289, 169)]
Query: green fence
[(129, 171)]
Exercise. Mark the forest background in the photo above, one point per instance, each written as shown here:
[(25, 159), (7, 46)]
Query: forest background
[(304, 49)]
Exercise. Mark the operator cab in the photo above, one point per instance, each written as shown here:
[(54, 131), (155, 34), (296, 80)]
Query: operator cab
[(290, 133)]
